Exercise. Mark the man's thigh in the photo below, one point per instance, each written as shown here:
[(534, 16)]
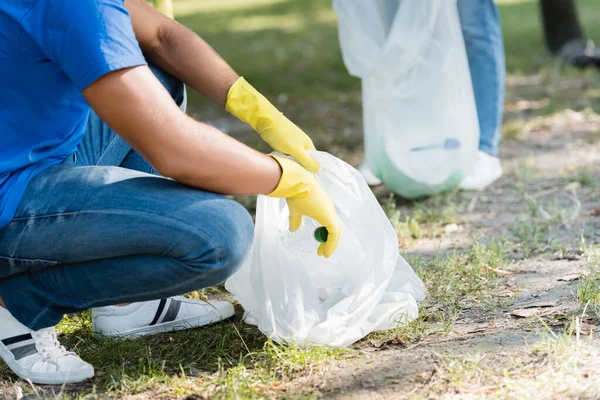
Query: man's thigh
[(72, 214)]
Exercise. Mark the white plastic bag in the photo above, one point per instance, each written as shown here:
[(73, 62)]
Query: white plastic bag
[(293, 295), (420, 122)]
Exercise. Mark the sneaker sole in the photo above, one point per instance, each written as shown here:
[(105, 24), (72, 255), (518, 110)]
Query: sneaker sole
[(48, 378), (169, 326)]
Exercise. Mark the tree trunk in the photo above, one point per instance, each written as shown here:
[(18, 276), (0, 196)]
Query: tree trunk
[(561, 23), (165, 7)]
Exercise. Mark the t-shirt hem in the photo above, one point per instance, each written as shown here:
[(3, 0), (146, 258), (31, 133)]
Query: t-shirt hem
[(96, 74)]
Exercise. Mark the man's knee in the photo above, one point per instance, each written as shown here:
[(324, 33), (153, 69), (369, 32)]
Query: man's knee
[(228, 235), (235, 237)]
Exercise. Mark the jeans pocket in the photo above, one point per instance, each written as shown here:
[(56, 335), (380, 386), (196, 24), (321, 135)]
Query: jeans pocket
[(11, 266)]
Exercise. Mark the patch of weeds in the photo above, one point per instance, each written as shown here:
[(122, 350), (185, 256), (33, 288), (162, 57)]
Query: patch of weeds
[(240, 383), (270, 369), (592, 251), (524, 173), (450, 279), (287, 362), (588, 293), (586, 177), (512, 130), (440, 209), (430, 321), (498, 303), (426, 219), (532, 236), (588, 289)]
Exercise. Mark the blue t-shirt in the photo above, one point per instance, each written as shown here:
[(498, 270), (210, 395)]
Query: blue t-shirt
[(50, 50)]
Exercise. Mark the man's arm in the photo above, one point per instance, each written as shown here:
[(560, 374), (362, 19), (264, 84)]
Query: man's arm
[(134, 103), (186, 56), (180, 52)]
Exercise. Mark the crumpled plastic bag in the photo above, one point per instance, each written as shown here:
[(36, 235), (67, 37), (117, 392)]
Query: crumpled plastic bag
[(295, 296), (420, 121)]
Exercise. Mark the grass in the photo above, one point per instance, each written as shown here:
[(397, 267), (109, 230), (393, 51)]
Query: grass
[(547, 211), (586, 177), (458, 276), (588, 290), (531, 237), (426, 218), (454, 281), (221, 361)]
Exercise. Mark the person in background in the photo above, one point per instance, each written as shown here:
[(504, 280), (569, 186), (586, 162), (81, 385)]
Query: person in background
[(482, 32), (85, 221), (564, 35)]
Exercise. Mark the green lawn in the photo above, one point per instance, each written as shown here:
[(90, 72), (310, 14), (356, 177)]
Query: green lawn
[(292, 47)]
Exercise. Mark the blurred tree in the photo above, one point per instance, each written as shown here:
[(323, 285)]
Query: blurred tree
[(165, 7)]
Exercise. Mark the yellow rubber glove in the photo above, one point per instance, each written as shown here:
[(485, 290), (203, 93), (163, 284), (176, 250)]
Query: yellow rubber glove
[(280, 133), (305, 196)]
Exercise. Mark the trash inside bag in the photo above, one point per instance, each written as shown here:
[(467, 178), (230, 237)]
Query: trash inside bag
[(420, 121), (295, 296)]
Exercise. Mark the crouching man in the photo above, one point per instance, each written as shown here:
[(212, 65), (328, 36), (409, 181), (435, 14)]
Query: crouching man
[(111, 198)]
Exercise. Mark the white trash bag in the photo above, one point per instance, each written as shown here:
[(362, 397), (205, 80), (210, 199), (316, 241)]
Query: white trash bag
[(295, 296), (420, 121)]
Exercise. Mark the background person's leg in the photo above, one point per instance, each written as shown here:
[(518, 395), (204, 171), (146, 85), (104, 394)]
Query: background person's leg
[(482, 32), (102, 146), (92, 236)]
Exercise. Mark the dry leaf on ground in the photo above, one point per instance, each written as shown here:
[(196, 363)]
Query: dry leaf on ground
[(530, 312), (487, 269), (570, 277), (506, 293), (587, 329)]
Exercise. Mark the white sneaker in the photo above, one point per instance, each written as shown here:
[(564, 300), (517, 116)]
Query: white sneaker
[(487, 170), (368, 175), (157, 316), (37, 355)]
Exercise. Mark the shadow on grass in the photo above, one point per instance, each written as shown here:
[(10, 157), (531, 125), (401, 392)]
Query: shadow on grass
[(130, 365)]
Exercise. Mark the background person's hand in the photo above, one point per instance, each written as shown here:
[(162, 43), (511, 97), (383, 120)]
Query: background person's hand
[(276, 130), (305, 196)]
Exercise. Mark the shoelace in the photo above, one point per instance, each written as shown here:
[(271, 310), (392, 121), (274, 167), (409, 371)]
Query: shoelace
[(48, 344)]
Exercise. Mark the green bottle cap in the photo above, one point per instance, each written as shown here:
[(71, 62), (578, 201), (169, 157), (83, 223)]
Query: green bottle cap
[(321, 234)]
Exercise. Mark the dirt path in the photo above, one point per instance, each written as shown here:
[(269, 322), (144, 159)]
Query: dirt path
[(546, 204)]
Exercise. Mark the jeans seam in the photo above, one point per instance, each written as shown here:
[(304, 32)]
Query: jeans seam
[(40, 315), (115, 137)]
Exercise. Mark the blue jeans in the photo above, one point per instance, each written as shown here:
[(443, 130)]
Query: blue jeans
[(102, 229), (482, 32)]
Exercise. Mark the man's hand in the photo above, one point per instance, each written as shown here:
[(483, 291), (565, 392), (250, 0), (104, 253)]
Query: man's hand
[(305, 196), (280, 133)]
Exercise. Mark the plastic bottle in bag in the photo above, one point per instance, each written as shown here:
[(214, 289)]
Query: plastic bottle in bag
[(293, 295), (419, 116)]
